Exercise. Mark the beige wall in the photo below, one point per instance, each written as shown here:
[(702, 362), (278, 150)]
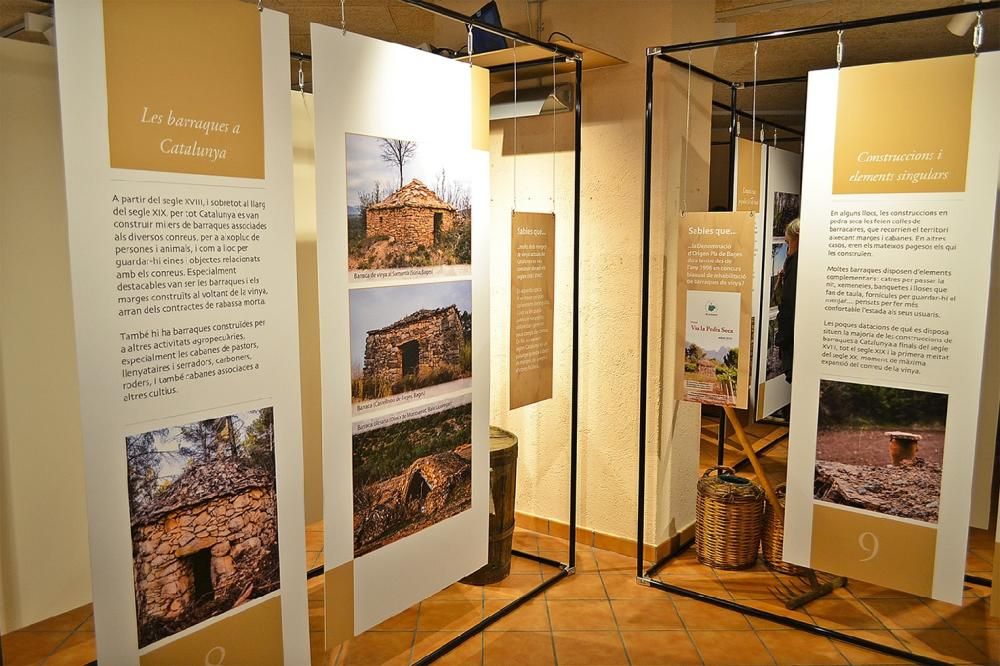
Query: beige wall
[(611, 208), (44, 566)]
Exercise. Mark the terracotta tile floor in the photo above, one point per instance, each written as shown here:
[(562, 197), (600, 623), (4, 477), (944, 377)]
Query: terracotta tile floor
[(601, 616)]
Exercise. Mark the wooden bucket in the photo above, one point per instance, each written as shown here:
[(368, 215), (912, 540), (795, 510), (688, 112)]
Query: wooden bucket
[(503, 482), (730, 513), (772, 539)]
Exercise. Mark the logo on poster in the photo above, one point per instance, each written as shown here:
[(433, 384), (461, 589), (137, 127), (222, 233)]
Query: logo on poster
[(216, 656), (711, 309)]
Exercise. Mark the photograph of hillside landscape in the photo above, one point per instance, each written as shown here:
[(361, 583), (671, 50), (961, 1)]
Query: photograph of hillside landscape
[(411, 475), (204, 519), (408, 205), (880, 448), (410, 337), (786, 209)]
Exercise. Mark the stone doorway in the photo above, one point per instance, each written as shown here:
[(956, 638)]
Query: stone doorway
[(438, 221), (411, 357), (418, 489), (201, 574)]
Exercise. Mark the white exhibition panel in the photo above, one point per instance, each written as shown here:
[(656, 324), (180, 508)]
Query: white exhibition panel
[(782, 177), (106, 416), (363, 86), (968, 219)]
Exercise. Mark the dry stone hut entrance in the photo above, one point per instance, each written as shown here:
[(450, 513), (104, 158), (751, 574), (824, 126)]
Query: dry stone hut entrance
[(201, 573), (417, 490), (410, 351), (438, 220)]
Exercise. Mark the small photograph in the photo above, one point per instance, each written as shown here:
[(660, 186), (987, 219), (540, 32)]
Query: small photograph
[(411, 475), (779, 252), (773, 354), (711, 347), (410, 337), (409, 205), (204, 516), (880, 448), (786, 209)]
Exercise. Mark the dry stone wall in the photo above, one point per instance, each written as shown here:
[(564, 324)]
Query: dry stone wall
[(410, 227), (237, 531)]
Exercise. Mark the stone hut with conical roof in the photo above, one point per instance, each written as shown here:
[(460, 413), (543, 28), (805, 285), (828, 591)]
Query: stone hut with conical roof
[(192, 542), (415, 345), (412, 216)]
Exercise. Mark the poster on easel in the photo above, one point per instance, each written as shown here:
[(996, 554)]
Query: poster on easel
[(182, 246), (898, 220), (781, 206), (713, 313), (402, 222)]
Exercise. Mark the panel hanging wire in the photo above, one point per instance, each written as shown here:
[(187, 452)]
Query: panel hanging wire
[(775, 142), (553, 134), (468, 42), (514, 168), (302, 80), (977, 34), (840, 48), (260, 6), (343, 19), (753, 122), (687, 142)]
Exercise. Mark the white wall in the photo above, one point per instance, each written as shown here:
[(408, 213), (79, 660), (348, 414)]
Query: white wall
[(611, 208), (44, 566)]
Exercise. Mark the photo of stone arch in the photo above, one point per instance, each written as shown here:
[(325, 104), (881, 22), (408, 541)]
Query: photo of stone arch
[(411, 474), (203, 509), (398, 348), (408, 204)]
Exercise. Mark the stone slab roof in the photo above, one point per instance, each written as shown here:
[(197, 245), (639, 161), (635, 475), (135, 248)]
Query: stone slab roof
[(419, 315), (412, 195), (202, 483)]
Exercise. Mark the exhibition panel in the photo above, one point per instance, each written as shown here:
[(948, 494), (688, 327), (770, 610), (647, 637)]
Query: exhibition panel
[(183, 267), (781, 206), (404, 322), (897, 220)]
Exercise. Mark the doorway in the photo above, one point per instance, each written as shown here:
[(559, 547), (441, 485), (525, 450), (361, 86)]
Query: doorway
[(201, 572), (411, 357), (438, 221)]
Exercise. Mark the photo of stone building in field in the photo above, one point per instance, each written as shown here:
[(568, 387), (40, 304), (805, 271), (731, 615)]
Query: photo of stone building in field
[(412, 216), (416, 345), (204, 519), (190, 539)]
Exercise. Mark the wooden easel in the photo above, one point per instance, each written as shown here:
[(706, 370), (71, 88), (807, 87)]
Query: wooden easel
[(816, 588)]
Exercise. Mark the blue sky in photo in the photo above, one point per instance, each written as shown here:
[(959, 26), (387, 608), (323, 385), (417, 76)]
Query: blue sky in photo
[(365, 166)]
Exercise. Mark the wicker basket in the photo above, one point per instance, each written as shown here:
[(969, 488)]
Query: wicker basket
[(730, 514), (773, 537)]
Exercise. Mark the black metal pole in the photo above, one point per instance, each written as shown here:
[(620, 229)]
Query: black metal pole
[(833, 27), (644, 314), (575, 393)]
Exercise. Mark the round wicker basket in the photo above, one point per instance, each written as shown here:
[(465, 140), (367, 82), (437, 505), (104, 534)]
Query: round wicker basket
[(730, 514), (773, 538)]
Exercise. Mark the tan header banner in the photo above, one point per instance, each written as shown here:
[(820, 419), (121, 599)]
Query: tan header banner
[(748, 166), (532, 293), (883, 148), (713, 309), (197, 109)]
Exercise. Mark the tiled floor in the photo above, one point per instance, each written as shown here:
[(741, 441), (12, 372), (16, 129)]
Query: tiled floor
[(601, 616)]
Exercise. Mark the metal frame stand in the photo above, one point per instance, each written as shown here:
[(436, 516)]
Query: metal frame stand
[(568, 568), (643, 576)]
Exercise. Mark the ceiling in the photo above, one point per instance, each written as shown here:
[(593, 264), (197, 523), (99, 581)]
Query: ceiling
[(392, 20)]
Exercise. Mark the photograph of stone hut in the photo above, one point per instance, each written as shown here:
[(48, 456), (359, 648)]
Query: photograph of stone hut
[(412, 216), (405, 208), (410, 475), (410, 349), (204, 519), (880, 448)]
